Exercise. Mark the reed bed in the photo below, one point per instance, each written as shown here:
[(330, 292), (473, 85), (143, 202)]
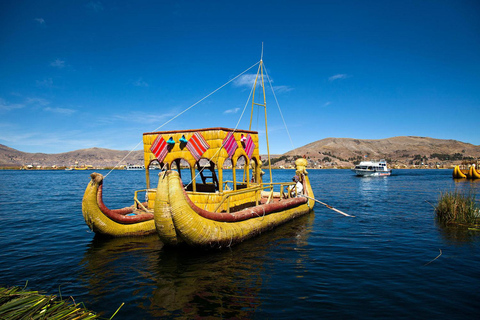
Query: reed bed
[(455, 207), (18, 303)]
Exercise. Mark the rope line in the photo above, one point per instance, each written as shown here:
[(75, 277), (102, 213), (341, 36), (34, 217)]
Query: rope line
[(208, 95), (128, 154), (278, 105), (223, 144)]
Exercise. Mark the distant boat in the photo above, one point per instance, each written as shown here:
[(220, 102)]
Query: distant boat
[(85, 167), (135, 167), (470, 173), (372, 169), (68, 169)]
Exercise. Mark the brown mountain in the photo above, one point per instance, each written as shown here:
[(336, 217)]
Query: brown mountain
[(97, 157), (399, 151), (340, 152)]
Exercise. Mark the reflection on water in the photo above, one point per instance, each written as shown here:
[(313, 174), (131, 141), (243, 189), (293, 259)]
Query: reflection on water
[(182, 281), (458, 234), (371, 188)]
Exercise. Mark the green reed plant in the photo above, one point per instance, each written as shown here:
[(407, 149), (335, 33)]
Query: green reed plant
[(455, 207), (18, 303)]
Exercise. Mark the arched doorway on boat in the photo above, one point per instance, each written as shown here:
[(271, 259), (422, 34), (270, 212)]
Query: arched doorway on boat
[(241, 172), (204, 177), (184, 170), (256, 170), (152, 171), (180, 165), (226, 174)]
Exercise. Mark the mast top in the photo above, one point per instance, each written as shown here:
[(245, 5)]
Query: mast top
[(261, 57)]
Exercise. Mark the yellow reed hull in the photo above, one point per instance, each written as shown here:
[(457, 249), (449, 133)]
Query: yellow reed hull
[(103, 225), (473, 173), (458, 173), (177, 221)]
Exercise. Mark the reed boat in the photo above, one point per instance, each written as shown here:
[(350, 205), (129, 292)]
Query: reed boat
[(459, 173), (210, 192), (470, 173), (473, 173)]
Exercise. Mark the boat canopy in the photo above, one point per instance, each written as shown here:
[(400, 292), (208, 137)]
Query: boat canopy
[(197, 147)]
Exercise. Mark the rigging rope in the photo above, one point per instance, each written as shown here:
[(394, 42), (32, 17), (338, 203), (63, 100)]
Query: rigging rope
[(208, 95), (223, 144), (278, 105)]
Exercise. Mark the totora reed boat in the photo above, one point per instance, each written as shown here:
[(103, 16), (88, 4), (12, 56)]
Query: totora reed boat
[(210, 193), (470, 173)]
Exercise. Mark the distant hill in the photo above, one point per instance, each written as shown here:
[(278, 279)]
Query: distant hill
[(97, 157), (329, 152), (399, 151)]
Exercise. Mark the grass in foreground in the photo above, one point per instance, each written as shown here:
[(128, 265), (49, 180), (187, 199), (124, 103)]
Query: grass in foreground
[(457, 208), (17, 303)]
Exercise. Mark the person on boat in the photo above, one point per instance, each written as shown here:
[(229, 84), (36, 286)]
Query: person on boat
[(243, 140), (297, 189), (254, 171)]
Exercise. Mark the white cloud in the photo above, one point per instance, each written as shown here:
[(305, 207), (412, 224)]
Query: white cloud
[(246, 80), (28, 102), (41, 21), (140, 83), (5, 106), (63, 111), (47, 83), (234, 110), (58, 63), (143, 117), (37, 102), (96, 6), (327, 103), (282, 89), (49, 142), (340, 76)]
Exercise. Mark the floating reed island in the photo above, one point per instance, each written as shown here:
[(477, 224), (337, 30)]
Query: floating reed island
[(18, 303), (458, 208)]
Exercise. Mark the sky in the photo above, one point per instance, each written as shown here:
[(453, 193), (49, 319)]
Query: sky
[(83, 74)]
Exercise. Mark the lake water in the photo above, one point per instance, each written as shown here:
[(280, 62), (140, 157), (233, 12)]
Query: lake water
[(323, 265)]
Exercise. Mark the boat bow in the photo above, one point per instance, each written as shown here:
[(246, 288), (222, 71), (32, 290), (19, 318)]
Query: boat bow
[(105, 221)]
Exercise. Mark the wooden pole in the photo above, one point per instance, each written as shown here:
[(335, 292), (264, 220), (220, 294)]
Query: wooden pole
[(328, 206)]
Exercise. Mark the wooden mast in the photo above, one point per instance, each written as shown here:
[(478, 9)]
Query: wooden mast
[(264, 105)]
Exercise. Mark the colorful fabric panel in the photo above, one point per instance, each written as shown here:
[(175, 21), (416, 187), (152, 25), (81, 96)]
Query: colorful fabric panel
[(159, 148), (197, 145), (249, 146), (230, 144)]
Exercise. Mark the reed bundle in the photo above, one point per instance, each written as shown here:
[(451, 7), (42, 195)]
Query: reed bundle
[(455, 207), (18, 303)]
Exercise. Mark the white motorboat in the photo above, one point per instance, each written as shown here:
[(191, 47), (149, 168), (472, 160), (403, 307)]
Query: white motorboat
[(135, 167), (372, 168)]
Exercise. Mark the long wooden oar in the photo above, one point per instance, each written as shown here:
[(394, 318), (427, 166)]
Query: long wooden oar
[(328, 206)]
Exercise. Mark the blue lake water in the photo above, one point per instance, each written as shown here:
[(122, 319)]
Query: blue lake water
[(382, 263)]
